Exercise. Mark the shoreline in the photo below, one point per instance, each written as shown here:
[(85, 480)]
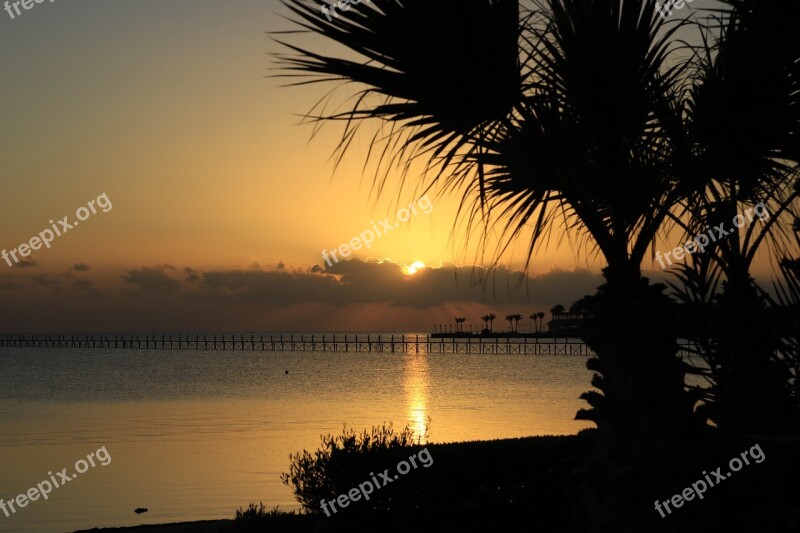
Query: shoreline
[(200, 526)]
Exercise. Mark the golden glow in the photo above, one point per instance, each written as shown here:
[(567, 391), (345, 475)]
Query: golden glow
[(416, 390), (413, 267)]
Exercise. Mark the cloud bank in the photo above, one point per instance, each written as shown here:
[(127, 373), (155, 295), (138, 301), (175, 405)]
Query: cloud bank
[(350, 295)]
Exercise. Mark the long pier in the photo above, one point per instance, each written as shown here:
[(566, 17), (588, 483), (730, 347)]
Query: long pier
[(303, 343)]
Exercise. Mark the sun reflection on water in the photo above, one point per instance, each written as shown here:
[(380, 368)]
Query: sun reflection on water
[(416, 384)]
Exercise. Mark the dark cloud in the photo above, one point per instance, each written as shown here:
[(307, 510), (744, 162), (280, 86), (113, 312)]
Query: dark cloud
[(83, 285), (152, 280), (191, 274), (45, 280), (365, 282), (80, 267), (272, 287), (8, 284), (27, 263), (352, 294), (51, 284)]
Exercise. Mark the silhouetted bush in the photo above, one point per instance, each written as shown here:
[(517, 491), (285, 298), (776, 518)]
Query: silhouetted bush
[(470, 477), (257, 518), (346, 460)]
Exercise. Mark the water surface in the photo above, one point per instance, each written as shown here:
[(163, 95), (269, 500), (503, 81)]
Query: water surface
[(195, 434)]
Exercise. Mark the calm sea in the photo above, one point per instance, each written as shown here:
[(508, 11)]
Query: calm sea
[(193, 435)]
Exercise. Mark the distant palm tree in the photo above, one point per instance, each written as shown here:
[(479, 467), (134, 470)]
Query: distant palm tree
[(459, 323), (516, 319), (557, 310), (492, 316), (513, 321), (537, 318), (486, 319)]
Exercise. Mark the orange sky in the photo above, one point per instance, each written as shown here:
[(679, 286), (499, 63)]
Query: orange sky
[(169, 109)]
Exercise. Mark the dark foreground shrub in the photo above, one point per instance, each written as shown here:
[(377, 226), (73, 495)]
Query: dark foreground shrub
[(492, 486), (462, 479), (258, 518), (344, 461)]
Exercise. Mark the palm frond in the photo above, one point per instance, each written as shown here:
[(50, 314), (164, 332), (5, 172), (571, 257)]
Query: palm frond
[(594, 137), (441, 70)]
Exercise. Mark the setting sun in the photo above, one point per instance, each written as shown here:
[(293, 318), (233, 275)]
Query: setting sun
[(413, 267)]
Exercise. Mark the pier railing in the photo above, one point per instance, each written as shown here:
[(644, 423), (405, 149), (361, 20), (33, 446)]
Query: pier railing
[(311, 343), (302, 343)]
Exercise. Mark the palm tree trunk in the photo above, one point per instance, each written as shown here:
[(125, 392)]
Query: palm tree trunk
[(644, 415), (752, 390)]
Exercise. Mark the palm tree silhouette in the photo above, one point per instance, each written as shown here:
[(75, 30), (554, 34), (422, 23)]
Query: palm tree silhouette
[(513, 322), (491, 316), (535, 318), (587, 133), (516, 319), (459, 322), (751, 74), (582, 140), (594, 143), (486, 319)]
